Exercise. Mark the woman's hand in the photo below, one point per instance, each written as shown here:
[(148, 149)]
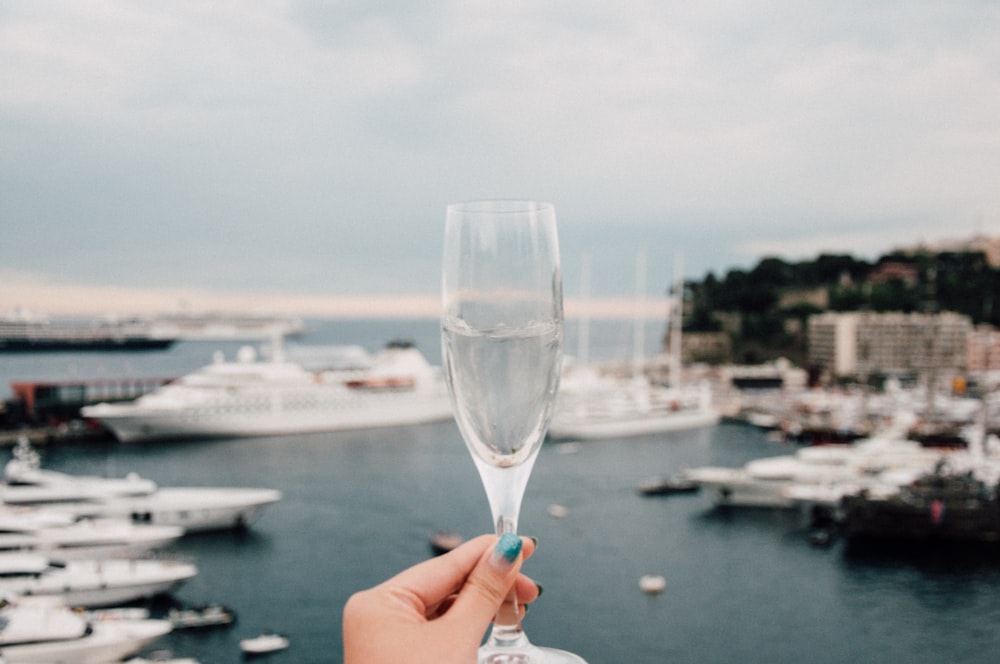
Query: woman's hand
[(437, 611)]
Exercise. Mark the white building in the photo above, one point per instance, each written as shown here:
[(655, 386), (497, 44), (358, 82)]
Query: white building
[(865, 343)]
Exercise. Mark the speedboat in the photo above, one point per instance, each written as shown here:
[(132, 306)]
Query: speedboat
[(131, 497), (90, 583), (42, 630), (264, 643), (252, 397), (195, 617)]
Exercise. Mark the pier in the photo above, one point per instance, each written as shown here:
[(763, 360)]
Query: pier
[(49, 411)]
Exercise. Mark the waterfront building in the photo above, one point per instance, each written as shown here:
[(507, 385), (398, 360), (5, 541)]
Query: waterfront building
[(868, 343), (984, 349)]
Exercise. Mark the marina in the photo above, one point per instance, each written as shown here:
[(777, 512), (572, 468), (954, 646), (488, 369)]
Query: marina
[(358, 506)]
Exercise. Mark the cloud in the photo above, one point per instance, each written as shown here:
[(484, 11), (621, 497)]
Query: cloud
[(311, 146)]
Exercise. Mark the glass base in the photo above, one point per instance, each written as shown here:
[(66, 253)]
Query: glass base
[(527, 655)]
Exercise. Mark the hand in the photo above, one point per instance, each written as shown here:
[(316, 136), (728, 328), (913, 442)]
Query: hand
[(438, 611)]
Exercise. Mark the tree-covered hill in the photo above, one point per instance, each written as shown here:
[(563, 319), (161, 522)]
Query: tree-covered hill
[(764, 310)]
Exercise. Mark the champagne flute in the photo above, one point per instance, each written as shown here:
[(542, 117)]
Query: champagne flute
[(502, 333)]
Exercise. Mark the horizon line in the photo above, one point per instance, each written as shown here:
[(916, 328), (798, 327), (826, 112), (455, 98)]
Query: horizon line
[(53, 299)]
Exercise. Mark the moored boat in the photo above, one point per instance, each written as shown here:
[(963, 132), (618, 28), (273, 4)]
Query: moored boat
[(250, 397), (596, 405), (87, 539), (131, 497), (634, 408), (443, 541), (774, 481), (197, 617), (264, 643), (22, 332), (90, 583), (939, 505), (665, 486), (42, 631)]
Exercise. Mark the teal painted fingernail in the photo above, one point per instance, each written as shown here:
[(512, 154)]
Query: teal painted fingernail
[(509, 547)]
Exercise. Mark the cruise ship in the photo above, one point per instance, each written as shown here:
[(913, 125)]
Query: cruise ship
[(253, 397)]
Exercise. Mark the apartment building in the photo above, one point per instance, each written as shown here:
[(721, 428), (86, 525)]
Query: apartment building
[(866, 343)]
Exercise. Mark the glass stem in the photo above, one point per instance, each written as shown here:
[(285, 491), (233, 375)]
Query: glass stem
[(507, 631)]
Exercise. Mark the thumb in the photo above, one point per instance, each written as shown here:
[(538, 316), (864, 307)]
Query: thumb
[(487, 586)]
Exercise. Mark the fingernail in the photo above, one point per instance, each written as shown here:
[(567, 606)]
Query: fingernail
[(508, 548), (534, 541), (540, 589)]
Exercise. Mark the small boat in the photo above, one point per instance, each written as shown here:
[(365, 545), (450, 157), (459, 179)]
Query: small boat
[(557, 511), (652, 584), (444, 541), (211, 615), (264, 643), (664, 486)]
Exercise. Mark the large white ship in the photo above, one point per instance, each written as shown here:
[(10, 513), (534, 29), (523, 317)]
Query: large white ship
[(252, 397)]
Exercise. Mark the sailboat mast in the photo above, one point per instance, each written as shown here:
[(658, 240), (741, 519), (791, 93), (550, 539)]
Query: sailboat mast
[(676, 318), (583, 342), (639, 334)]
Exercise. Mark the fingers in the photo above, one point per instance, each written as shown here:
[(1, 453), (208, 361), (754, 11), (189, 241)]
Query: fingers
[(431, 582), (434, 580), (489, 583), (527, 590)]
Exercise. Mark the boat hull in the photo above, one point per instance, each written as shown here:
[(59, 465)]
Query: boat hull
[(94, 584), (236, 421), (92, 539), (82, 345), (107, 642), (599, 428), (734, 487), (196, 509)]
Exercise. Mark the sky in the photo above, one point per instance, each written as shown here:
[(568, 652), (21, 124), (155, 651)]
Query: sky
[(299, 154)]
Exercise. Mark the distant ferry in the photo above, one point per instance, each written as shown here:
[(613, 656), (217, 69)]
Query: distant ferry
[(217, 325), (22, 331)]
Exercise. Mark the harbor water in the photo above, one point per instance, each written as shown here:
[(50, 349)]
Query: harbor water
[(741, 586)]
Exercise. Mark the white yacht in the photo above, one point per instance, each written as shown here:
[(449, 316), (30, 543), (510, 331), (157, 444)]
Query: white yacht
[(90, 583), (252, 397), (43, 631), (86, 538), (593, 405), (131, 497), (608, 408)]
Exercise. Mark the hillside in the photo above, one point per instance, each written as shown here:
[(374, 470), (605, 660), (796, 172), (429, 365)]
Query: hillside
[(761, 313)]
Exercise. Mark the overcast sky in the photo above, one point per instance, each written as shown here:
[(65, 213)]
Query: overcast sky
[(303, 147)]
